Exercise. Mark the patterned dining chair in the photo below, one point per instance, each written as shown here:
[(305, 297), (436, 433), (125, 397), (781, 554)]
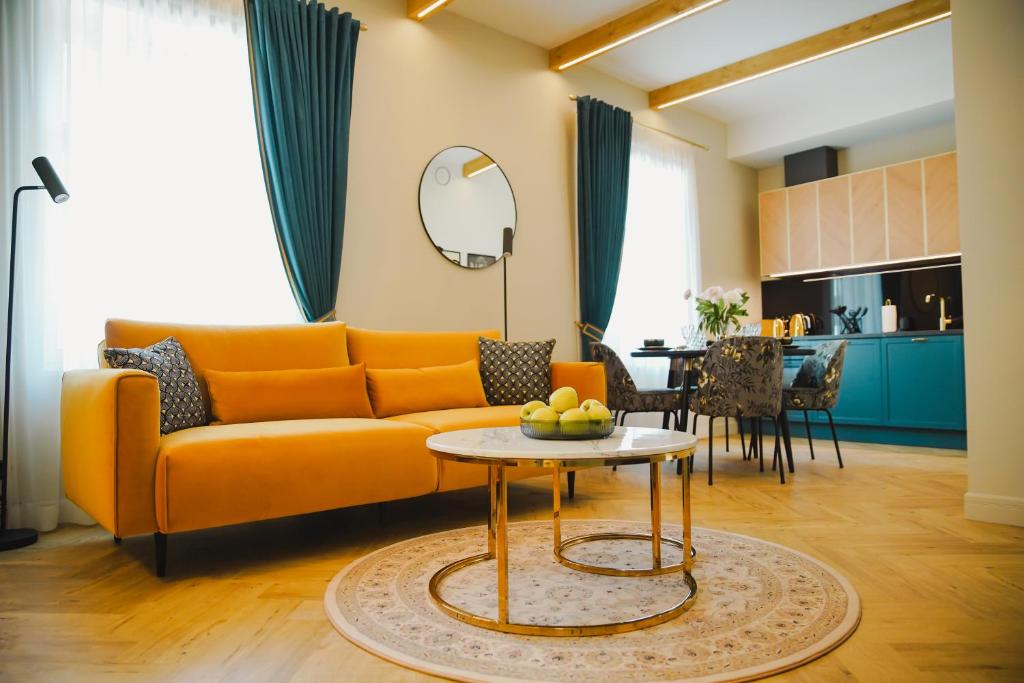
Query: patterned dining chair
[(741, 377), (623, 396), (816, 387)]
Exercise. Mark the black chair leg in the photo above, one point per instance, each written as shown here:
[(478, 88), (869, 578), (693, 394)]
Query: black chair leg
[(778, 453), (711, 448), (743, 438), (726, 434), (160, 541), (835, 440), (810, 441), (571, 478), (755, 440)]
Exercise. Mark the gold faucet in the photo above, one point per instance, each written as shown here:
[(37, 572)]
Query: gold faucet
[(943, 320)]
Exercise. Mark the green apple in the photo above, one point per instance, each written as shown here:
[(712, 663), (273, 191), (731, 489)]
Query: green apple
[(530, 407), (589, 404), (564, 399), (599, 413), (574, 421), (544, 414)]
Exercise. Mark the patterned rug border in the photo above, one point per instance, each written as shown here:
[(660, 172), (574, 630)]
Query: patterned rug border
[(837, 637)]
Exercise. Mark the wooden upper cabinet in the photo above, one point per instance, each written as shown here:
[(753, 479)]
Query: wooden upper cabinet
[(774, 232), (904, 190), (942, 209), (867, 209), (803, 227), (834, 225)]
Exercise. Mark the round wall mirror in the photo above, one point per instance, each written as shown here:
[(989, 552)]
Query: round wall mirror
[(465, 204)]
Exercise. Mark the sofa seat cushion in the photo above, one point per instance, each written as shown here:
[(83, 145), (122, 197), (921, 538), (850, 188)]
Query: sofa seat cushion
[(227, 474), (457, 475)]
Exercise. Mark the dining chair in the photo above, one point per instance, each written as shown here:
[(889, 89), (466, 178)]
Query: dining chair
[(623, 396), (741, 377), (816, 387)]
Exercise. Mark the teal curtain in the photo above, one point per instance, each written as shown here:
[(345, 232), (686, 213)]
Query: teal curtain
[(302, 60), (604, 135)]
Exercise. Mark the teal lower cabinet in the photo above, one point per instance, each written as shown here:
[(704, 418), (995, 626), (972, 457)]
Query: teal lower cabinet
[(896, 389)]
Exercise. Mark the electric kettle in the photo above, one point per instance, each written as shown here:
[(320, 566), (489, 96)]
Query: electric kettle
[(799, 325)]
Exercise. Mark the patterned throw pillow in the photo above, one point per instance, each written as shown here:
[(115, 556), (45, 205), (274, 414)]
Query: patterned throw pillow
[(181, 402), (514, 373)]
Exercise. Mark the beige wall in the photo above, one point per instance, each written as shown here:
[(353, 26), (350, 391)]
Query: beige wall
[(890, 149), (988, 69), (422, 87)]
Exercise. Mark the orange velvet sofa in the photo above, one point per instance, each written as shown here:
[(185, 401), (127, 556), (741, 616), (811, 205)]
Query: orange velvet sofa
[(131, 480)]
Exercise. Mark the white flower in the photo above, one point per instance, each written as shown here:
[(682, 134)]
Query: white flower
[(687, 294), (733, 296), (713, 294)]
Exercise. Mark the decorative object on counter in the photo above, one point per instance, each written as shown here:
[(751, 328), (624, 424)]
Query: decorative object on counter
[(775, 327), (799, 325), (564, 418), (944, 320), (888, 316), (851, 320), (720, 310), (19, 538)]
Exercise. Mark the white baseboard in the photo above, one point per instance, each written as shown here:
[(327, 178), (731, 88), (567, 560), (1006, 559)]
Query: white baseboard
[(987, 507)]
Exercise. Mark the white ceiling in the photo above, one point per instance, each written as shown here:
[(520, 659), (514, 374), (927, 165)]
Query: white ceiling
[(771, 116)]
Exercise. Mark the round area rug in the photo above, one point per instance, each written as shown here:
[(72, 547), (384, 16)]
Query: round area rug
[(760, 609)]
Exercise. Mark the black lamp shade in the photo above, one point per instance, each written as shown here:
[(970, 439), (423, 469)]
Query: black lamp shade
[(506, 241), (51, 181)]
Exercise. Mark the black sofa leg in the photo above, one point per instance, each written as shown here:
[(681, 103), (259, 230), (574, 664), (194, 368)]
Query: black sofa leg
[(161, 554), (117, 540), (571, 478)]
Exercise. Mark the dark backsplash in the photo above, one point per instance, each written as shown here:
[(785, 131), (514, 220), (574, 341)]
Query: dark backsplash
[(907, 290)]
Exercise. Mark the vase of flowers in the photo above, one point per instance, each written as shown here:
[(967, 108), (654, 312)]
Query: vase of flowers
[(719, 310)]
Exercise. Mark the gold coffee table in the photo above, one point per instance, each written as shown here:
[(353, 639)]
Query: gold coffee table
[(504, 447)]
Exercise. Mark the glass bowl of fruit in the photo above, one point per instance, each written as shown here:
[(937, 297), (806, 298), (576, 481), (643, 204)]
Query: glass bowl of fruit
[(564, 418)]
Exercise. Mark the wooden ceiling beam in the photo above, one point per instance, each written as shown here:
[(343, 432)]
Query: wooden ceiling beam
[(861, 32), (622, 30), (421, 9)]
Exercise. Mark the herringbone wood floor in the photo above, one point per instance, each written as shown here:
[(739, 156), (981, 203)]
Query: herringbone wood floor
[(943, 597)]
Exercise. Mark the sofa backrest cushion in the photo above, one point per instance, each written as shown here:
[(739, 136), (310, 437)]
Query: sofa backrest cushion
[(236, 348), (401, 391), (269, 395), (390, 349)]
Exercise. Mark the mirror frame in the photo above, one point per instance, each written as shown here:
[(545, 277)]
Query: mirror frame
[(423, 222)]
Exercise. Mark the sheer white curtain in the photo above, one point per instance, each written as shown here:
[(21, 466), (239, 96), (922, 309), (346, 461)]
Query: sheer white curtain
[(660, 254), (145, 110)]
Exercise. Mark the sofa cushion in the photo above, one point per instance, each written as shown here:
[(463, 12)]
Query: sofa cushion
[(181, 401), (460, 475), (390, 349), (259, 347), (228, 474), (411, 390), (515, 373), (266, 395)]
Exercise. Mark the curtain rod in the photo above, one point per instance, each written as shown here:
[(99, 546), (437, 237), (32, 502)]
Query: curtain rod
[(658, 130)]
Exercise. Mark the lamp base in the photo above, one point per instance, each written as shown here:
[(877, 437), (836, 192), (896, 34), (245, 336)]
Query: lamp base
[(17, 538)]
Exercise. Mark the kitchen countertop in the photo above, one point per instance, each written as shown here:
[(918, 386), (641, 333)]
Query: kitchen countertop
[(881, 335)]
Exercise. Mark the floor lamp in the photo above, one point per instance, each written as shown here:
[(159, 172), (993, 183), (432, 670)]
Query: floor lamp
[(506, 251), (17, 538)]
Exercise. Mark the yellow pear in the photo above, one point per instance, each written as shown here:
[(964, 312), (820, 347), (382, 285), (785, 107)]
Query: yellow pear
[(574, 421), (564, 399), (544, 414), (599, 413), (590, 403), (530, 407)]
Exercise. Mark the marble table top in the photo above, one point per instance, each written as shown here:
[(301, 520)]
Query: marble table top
[(509, 444)]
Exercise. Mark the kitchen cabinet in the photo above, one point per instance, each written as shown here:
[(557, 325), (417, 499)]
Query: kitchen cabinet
[(774, 230), (802, 204), (896, 388), (942, 209), (834, 226), (904, 210), (924, 382), (901, 212)]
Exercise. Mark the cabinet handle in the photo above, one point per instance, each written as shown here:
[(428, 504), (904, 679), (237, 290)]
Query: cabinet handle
[(919, 339)]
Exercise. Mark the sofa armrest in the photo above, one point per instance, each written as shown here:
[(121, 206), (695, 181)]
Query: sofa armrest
[(110, 436), (586, 378)]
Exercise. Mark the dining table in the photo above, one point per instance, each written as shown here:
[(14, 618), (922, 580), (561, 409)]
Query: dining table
[(681, 365)]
